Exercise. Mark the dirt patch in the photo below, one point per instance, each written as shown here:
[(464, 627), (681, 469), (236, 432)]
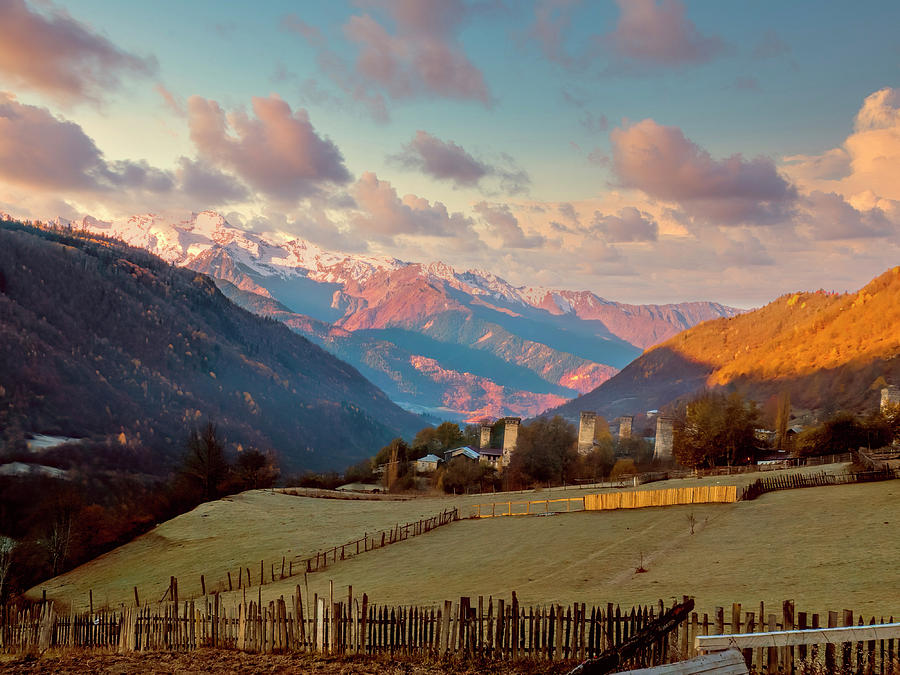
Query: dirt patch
[(222, 661)]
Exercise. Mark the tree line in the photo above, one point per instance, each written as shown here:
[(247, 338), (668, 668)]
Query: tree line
[(110, 494)]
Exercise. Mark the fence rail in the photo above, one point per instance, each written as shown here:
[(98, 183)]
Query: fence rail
[(527, 508), (795, 481)]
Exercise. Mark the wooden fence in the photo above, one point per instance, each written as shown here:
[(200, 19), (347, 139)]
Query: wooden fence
[(707, 494), (803, 641), (290, 566), (487, 628), (528, 508), (794, 481)]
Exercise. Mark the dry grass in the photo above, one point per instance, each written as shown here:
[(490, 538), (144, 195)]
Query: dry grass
[(826, 548)]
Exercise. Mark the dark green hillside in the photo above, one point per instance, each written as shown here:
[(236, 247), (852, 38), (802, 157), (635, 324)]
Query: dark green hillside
[(98, 339)]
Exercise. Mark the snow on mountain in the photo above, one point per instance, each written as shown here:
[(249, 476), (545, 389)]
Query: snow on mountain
[(276, 254)]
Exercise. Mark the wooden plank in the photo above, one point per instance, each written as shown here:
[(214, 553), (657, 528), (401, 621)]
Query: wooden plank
[(787, 638), (729, 662)]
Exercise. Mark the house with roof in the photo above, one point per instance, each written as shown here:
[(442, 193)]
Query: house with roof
[(428, 463), (462, 451), (490, 456)]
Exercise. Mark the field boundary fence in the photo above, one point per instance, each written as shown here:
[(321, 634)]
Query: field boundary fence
[(289, 566), (478, 627), (795, 481), (706, 494)]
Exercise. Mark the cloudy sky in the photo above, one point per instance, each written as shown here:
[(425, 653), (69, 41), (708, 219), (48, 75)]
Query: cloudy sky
[(647, 150)]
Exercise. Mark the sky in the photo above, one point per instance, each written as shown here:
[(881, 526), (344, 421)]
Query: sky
[(650, 151)]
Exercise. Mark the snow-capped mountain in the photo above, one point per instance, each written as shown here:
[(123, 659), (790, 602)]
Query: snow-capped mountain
[(466, 343)]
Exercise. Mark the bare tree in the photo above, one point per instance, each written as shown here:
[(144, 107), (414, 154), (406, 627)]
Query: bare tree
[(7, 546), (58, 540), (205, 465)]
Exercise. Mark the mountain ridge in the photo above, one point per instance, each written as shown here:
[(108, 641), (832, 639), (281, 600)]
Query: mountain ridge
[(100, 339), (572, 340), (826, 350)]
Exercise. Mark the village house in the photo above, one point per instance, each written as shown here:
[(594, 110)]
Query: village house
[(428, 463)]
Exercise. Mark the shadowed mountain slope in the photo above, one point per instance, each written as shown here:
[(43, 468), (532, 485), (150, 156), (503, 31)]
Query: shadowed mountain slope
[(98, 339)]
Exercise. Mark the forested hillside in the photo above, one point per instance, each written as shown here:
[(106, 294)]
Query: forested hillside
[(827, 350), (102, 340)]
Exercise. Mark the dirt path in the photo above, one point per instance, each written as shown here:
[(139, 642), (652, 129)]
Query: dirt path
[(223, 661)]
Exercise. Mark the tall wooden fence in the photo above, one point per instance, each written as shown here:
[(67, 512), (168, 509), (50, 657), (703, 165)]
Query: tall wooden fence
[(707, 494), (794, 481)]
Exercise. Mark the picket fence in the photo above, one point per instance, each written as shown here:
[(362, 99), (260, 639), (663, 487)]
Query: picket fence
[(487, 628)]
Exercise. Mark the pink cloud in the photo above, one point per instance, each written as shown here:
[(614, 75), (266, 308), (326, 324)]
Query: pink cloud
[(628, 225), (57, 55), (208, 184), (276, 151), (506, 226), (384, 214), (173, 102), (867, 162), (828, 216), (658, 33), (446, 160), (663, 163), (41, 153), (421, 57), (552, 19)]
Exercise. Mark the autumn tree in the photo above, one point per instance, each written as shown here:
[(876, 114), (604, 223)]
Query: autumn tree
[(445, 436), (716, 427), (545, 450), (841, 432), (254, 470), (462, 473)]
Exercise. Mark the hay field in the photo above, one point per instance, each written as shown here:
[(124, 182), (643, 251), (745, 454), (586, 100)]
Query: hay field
[(826, 548)]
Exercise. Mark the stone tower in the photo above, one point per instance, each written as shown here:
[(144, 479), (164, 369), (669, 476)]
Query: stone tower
[(890, 396), (625, 422), (587, 423), (664, 432), (510, 436), (485, 440)]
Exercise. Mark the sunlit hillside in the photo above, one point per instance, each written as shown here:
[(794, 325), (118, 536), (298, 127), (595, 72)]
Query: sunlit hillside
[(828, 350)]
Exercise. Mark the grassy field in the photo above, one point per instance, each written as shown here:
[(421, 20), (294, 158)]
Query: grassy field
[(826, 548)]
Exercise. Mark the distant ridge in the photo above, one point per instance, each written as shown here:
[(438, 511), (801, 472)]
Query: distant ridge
[(827, 350), (99, 339), (457, 344)]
